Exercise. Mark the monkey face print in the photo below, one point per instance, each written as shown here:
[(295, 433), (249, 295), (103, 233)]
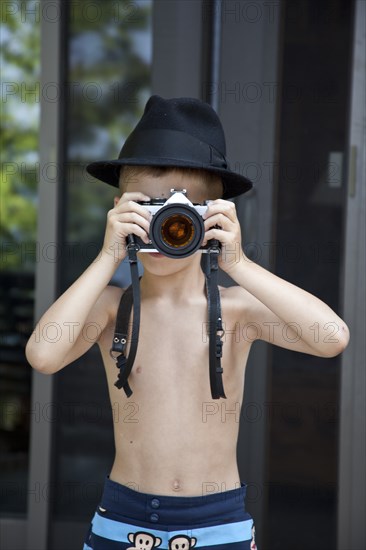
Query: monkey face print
[(147, 541), (143, 541), (182, 542)]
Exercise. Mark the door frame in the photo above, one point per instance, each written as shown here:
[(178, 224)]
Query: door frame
[(352, 445)]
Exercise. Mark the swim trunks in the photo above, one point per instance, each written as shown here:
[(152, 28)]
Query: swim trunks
[(127, 519)]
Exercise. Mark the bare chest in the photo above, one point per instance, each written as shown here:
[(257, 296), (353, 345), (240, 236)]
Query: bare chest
[(172, 353), (172, 360)]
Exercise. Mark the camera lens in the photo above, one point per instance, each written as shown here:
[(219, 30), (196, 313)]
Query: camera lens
[(177, 230)]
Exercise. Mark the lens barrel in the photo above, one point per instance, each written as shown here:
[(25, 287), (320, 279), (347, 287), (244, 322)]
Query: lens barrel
[(177, 230)]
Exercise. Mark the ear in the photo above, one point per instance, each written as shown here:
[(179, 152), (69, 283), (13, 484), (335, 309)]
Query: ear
[(158, 541), (131, 537), (193, 542), (116, 201)]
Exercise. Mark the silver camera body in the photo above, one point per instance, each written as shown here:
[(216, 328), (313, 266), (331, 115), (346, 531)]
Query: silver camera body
[(176, 228)]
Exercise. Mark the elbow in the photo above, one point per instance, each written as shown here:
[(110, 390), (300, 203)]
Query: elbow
[(344, 336), (39, 361), (340, 342)]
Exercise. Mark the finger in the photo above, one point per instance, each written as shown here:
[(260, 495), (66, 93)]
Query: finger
[(132, 206), (226, 207), (221, 220), (218, 234), (134, 196), (135, 218), (124, 218), (133, 228)]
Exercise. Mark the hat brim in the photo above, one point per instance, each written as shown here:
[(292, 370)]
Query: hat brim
[(108, 171)]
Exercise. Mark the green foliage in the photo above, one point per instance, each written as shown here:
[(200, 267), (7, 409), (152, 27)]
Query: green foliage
[(107, 68), (108, 84), (19, 121)]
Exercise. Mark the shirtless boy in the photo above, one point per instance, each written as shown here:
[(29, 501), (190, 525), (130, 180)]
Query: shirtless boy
[(174, 448)]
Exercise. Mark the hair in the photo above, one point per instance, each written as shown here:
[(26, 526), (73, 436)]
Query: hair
[(129, 173)]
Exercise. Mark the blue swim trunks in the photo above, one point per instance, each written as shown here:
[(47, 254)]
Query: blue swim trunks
[(127, 519)]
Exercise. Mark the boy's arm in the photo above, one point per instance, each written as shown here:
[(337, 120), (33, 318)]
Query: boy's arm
[(67, 329), (287, 315), (77, 319)]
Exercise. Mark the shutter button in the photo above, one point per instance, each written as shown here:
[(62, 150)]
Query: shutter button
[(155, 503), (154, 517)]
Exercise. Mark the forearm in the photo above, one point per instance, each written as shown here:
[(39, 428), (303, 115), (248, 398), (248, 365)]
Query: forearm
[(61, 325), (315, 322), (275, 301)]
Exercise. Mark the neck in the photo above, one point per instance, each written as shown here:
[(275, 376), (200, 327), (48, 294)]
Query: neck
[(184, 284)]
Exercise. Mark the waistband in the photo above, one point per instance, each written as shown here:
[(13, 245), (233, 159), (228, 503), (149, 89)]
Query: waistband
[(215, 507)]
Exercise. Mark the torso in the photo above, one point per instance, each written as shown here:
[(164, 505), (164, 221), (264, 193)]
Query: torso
[(171, 437)]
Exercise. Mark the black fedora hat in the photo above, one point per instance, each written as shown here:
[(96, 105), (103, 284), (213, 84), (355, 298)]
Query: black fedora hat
[(178, 132)]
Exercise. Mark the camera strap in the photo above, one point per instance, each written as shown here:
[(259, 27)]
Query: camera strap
[(210, 268), (131, 296)]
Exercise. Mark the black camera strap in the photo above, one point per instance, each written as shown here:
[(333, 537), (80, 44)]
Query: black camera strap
[(132, 297), (216, 331), (129, 297)]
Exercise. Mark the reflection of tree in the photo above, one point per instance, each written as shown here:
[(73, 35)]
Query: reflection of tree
[(20, 43), (108, 83), (19, 121)]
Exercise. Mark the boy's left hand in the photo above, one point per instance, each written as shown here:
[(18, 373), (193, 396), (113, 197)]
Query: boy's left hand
[(221, 223)]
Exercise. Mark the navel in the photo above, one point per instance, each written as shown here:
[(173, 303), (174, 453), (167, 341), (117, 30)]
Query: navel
[(138, 369), (176, 485)]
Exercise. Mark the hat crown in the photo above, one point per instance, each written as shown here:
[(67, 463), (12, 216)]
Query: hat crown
[(179, 132), (188, 115)]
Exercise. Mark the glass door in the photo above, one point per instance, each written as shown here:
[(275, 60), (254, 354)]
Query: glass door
[(106, 53), (19, 251), (308, 244)]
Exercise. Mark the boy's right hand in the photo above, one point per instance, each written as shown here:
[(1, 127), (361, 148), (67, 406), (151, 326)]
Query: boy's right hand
[(126, 218)]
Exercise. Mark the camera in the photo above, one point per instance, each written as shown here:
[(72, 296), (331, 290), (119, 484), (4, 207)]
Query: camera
[(176, 227)]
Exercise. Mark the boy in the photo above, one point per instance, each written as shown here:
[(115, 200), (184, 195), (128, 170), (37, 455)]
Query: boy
[(174, 448)]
